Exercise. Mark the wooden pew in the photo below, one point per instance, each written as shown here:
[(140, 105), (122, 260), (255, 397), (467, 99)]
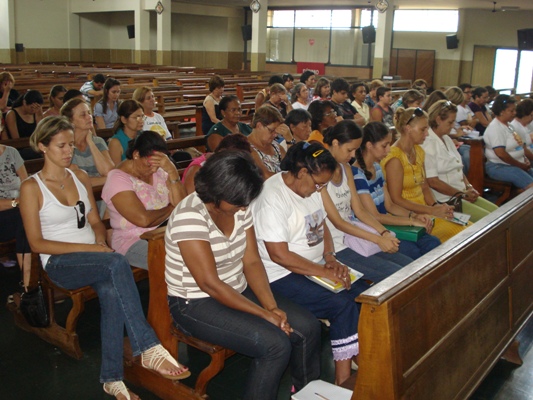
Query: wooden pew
[(436, 328)]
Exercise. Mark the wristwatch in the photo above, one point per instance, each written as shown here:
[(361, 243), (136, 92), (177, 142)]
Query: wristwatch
[(293, 141), (14, 203)]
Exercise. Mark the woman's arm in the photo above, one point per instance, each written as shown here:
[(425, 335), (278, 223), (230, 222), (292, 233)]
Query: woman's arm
[(100, 123), (506, 157), (213, 140), (442, 187), (259, 162), (11, 125), (198, 256), (115, 151), (189, 179), (209, 105), (376, 114), (259, 100), (102, 159), (130, 207), (6, 204), (176, 191), (485, 121)]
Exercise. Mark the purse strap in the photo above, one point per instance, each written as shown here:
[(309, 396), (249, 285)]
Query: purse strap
[(35, 271)]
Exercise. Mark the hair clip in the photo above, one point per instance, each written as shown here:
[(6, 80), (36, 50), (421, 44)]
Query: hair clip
[(317, 153)]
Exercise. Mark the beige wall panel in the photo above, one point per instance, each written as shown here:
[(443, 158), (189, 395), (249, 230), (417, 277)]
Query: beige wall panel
[(235, 60), (446, 73), (58, 55), (281, 68), (352, 72), (101, 55), (465, 72), (5, 56), (483, 65), (34, 55), (121, 56), (176, 58), (257, 61)]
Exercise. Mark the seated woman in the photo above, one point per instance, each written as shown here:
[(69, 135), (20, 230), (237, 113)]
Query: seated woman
[(435, 96), (411, 98), (322, 89), (152, 121), (523, 120), (57, 94), (11, 174), (299, 96), (358, 92), (444, 169), (105, 111), (264, 94), (211, 112), (235, 142), (230, 108), (323, 116), (374, 194), (90, 152), (343, 207), (299, 123), (217, 287), (267, 153), (278, 99), (480, 97), (24, 115), (508, 157), (294, 242), (140, 194), (405, 173), (59, 213), (8, 95), (127, 127), (382, 111)]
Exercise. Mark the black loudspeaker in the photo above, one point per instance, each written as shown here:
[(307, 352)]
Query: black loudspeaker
[(19, 47), (525, 39), (246, 32), (452, 42), (131, 31), (369, 34)]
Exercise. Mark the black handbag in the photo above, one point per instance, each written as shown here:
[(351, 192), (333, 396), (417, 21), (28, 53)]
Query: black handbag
[(456, 202), (34, 308), (33, 303)]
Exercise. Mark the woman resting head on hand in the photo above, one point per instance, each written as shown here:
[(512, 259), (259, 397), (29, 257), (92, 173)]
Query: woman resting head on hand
[(62, 224)]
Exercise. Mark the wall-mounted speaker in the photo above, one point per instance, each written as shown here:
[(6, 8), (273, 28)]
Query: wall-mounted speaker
[(452, 42), (131, 31), (246, 32), (525, 39), (19, 47), (369, 34)]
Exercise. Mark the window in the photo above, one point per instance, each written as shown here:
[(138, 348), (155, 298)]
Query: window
[(426, 20), (508, 62)]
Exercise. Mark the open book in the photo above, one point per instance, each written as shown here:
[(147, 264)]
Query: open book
[(332, 286), (460, 218)]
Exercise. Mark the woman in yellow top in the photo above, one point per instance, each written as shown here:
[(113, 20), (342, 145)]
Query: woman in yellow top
[(405, 175)]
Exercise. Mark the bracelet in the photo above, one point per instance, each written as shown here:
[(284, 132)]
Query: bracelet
[(293, 141), (172, 181), (385, 231), (329, 253)]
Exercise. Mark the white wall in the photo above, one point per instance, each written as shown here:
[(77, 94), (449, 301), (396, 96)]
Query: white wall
[(94, 31), (118, 33)]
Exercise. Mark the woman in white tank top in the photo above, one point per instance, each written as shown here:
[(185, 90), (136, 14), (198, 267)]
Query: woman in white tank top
[(62, 224)]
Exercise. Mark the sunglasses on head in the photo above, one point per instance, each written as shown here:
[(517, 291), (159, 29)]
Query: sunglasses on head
[(417, 113)]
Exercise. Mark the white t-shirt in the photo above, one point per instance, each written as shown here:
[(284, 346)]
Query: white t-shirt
[(498, 135), (524, 133), (444, 162), (297, 105), (464, 114), (158, 125), (342, 198), (280, 215)]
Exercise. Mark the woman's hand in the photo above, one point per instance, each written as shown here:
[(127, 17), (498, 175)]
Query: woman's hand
[(284, 130), (471, 194), (424, 221), (161, 160), (100, 247), (388, 243), (279, 318), (526, 165), (337, 272), (443, 211)]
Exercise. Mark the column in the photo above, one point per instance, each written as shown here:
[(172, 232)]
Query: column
[(383, 45), (259, 24), (164, 39), (142, 35), (7, 36)]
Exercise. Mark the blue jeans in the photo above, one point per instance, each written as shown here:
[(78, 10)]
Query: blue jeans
[(424, 245), (376, 267), (339, 308), (510, 173), (109, 274), (464, 151), (137, 254), (271, 349)]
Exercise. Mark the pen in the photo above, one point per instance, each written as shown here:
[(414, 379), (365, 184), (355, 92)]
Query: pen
[(322, 397)]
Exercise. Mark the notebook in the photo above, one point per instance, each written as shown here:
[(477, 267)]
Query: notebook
[(332, 286)]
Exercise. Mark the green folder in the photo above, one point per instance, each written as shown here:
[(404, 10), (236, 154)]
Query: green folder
[(411, 233)]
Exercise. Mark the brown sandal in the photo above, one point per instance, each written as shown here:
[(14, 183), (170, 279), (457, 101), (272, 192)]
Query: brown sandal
[(154, 357)]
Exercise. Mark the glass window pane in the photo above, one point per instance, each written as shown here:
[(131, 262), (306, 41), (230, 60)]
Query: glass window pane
[(311, 45), (313, 19), (505, 69), (426, 20), (279, 44), (341, 18), (366, 16), (282, 18), (525, 72), (354, 54)]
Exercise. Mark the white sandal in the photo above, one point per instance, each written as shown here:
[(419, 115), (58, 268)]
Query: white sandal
[(115, 388), (154, 357)]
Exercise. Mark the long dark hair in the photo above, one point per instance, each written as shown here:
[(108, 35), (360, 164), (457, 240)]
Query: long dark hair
[(373, 132), (312, 156), (109, 83)]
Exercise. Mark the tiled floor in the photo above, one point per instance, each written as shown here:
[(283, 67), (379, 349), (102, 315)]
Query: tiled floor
[(33, 369)]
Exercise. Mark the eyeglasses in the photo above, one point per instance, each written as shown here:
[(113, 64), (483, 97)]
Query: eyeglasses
[(417, 113), (81, 221), (138, 117), (318, 186), (271, 130), (334, 113)]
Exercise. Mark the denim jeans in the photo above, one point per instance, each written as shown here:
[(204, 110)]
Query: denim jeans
[(424, 245), (376, 267), (509, 173), (339, 308), (464, 151), (109, 274), (271, 349), (137, 254)]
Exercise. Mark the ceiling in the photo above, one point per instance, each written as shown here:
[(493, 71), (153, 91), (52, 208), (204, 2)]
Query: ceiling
[(422, 4)]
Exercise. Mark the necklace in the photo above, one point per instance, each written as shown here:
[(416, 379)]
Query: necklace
[(60, 182)]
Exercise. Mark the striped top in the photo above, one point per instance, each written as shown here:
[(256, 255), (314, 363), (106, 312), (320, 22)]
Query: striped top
[(190, 220)]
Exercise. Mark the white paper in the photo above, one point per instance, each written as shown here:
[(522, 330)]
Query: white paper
[(321, 390)]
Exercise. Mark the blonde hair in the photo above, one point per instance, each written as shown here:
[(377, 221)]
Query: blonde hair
[(404, 116), (67, 110), (442, 109), (140, 93), (375, 84), (266, 115), (455, 95), (46, 129), (6, 76)]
